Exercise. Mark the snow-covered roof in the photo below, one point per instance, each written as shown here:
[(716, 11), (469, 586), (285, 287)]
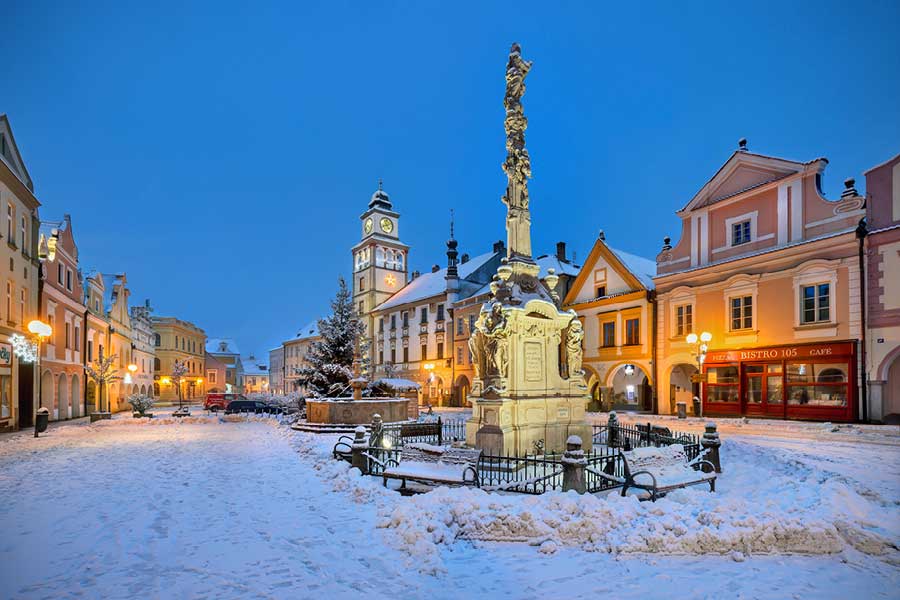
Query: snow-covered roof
[(434, 283), (551, 261), (221, 346), (642, 268), (310, 330), (254, 366)]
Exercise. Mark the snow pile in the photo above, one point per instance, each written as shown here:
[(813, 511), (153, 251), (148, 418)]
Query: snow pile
[(765, 505)]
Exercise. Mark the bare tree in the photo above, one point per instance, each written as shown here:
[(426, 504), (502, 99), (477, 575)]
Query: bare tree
[(179, 370), (104, 372)]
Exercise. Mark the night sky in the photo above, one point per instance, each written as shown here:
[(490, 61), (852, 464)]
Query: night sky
[(221, 153)]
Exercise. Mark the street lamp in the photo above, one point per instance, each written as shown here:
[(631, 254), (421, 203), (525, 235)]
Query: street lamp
[(701, 344), (40, 330), (128, 376)]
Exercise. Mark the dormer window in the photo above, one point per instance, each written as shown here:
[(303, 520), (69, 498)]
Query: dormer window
[(740, 233), (601, 291)]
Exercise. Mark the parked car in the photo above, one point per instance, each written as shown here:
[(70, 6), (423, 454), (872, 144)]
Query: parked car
[(220, 401), (252, 406)]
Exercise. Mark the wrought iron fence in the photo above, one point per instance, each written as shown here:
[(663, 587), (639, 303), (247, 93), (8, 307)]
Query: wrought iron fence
[(529, 475), (603, 460), (376, 458), (627, 437)]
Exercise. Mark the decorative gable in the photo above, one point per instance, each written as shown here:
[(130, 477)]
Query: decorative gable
[(606, 273), (9, 153)]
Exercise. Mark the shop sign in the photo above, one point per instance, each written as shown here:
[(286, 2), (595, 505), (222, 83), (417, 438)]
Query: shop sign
[(841, 350), (699, 378), (5, 355)]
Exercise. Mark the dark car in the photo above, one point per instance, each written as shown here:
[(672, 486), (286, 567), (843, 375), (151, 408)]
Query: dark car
[(252, 406)]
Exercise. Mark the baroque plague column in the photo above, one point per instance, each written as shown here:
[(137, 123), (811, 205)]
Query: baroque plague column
[(529, 392)]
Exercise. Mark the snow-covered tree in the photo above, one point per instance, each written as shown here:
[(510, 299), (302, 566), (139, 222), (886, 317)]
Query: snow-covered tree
[(329, 365), (140, 403), (104, 372), (179, 370)]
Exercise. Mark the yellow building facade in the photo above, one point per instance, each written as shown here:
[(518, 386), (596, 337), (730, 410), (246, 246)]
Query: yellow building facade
[(175, 339)]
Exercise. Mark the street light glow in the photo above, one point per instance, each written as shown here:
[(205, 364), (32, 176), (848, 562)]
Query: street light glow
[(132, 367), (692, 338), (40, 328), (705, 336)]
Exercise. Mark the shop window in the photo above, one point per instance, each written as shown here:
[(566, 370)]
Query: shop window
[(815, 303), (684, 319), (741, 313), (814, 384), (5, 396), (609, 334), (722, 384), (740, 233), (632, 332)]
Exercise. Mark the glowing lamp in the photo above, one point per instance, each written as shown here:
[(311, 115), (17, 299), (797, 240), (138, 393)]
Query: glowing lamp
[(165, 381), (132, 367), (691, 338), (705, 336), (40, 328), (629, 370), (199, 380), (428, 366), (390, 280)]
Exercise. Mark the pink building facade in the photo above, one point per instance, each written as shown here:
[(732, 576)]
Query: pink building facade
[(770, 268), (883, 290)]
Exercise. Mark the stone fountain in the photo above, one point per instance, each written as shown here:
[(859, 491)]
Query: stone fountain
[(529, 392)]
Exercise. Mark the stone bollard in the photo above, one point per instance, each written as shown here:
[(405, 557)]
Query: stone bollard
[(574, 465), (376, 437), (710, 442), (358, 448), (612, 430)]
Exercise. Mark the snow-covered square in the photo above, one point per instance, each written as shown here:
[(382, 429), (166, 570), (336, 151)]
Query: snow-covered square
[(238, 507)]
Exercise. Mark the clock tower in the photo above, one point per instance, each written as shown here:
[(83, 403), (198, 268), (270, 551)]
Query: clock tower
[(379, 259)]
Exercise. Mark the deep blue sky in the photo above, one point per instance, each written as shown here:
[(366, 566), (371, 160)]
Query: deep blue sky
[(220, 154)]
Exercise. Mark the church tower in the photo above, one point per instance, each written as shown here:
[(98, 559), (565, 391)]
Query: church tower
[(379, 259)]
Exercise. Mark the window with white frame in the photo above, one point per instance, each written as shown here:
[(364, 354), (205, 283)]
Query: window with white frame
[(684, 319), (9, 224), (741, 313), (23, 233), (740, 233), (815, 303)]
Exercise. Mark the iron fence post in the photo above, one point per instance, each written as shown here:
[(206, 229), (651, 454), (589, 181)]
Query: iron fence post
[(711, 443)]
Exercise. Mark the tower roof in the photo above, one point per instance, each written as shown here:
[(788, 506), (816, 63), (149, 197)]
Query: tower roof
[(380, 199)]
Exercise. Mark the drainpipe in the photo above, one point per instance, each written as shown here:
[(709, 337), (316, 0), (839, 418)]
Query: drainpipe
[(861, 237)]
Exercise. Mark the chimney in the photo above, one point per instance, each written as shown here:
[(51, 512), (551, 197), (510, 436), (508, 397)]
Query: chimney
[(499, 246), (435, 268), (561, 251), (464, 259), (742, 145), (415, 274), (602, 235)]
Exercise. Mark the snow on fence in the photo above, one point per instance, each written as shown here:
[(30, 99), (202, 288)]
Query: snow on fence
[(532, 474)]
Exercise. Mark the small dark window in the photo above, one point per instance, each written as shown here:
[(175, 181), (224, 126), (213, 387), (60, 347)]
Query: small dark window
[(601, 291)]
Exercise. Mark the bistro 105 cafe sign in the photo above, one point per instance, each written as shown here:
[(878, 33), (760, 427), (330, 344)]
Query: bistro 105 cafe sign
[(782, 353)]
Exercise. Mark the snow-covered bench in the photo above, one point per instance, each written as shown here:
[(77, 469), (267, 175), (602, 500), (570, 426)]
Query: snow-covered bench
[(661, 470), (425, 463)]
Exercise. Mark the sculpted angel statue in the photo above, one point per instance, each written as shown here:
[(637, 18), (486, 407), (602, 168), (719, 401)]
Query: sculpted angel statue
[(574, 335)]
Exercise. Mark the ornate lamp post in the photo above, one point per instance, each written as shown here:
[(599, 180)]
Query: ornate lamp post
[(132, 368), (40, 330), (701, 344)]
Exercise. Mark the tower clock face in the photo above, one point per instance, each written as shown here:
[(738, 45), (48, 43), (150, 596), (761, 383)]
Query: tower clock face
[(367, 226), (387, 225)]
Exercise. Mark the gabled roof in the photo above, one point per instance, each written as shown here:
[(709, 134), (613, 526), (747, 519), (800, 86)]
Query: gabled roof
[(551, 261), (13, 158), (435, 283), (744, 171), (254, 366), (638, 272), (221, 346)]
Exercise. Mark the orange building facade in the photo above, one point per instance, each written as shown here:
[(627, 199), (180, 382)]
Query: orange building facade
[(770, 268)]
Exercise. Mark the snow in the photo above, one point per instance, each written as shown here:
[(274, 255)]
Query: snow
[(222, 346), (642, 268), (311, 330), (398, 384), (434, 283), (244, 507)]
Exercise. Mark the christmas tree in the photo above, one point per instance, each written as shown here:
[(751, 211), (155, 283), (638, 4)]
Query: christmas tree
[(329, 360)]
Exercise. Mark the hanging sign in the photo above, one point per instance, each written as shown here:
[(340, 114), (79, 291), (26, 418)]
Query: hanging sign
[(5, 355)]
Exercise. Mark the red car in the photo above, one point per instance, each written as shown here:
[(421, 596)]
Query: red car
[(220, 401)]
